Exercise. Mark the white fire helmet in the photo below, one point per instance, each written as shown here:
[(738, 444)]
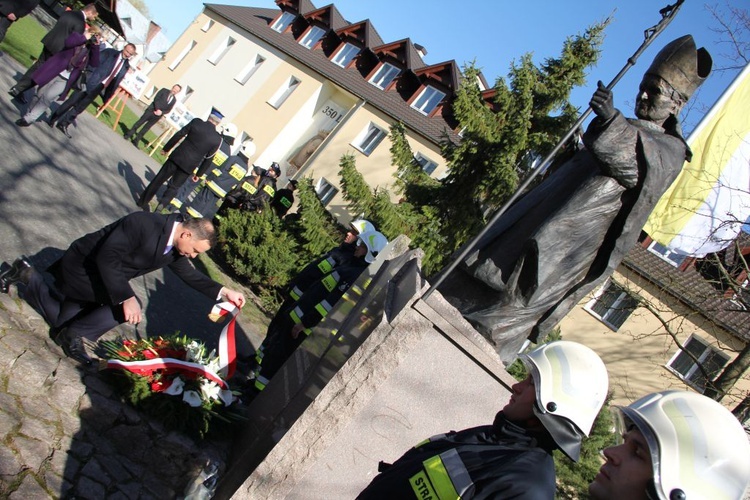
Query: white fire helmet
[(375, 243), (362, 226), (698, 448), (229, 130), (571, 386), (248, 149)]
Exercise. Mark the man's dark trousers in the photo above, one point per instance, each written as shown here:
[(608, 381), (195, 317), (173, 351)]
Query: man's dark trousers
[(147, 119), (169, 171), (75, 105)]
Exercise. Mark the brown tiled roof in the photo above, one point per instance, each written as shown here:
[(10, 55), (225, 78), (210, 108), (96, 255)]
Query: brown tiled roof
[(256, 21), (690, 288)]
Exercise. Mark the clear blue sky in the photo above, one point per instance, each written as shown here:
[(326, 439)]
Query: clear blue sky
[(496, 32)]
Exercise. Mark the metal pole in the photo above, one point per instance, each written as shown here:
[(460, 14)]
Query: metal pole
[(668, 13)]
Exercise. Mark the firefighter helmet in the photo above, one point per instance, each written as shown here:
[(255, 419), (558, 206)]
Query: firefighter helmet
[(247, 149), (375, 243), (229, 130), (361, 226), (698, 448)]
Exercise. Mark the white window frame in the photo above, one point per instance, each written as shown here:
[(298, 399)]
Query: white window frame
[(325, 191), (249, 70), (427, 165), (425, 102), (283, 22), (209, 24), (674, 258), (312, 36), (187, 92), (385, 70), (222, 50), (618, 311), (693, 374), (345, 55), (182, 55), (369, 139), (284, 92)]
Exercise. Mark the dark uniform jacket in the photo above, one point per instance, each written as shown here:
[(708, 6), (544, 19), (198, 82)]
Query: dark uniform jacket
[(498, 461), (162, 102), (18, 7), (98, 266), (282, 201), (197, 150), (70, 21)]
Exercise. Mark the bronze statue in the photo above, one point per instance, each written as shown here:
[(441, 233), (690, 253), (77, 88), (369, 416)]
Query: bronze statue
[(567, 235)]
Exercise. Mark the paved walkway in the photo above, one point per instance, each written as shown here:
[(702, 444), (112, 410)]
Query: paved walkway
[(64, 433)]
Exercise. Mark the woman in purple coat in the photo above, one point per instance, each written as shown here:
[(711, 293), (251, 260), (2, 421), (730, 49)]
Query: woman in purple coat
[(57, 75)]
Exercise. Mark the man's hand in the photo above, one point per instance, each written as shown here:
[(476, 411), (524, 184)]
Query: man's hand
[(297, 329), (11, 16), (157, 112), (234, 297), (132, 311), (601, 103)]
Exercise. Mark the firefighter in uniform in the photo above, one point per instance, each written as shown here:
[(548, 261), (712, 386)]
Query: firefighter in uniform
[(284, 199), (313, 272), (293, 326), (219, 181), (255, 192), (554, 407), (228, 132)]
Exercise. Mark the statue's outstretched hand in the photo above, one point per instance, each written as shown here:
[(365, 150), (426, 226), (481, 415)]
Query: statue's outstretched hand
[(602, 103)]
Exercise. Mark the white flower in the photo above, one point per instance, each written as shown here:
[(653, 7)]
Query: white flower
[(192, 398), (175, 389), (209, 390)]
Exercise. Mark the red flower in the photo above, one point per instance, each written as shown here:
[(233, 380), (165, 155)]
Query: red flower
[(158, 386), (148, 354)]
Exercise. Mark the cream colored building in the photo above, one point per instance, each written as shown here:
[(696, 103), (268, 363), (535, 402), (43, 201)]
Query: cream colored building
[(640, 354), (307, 87)]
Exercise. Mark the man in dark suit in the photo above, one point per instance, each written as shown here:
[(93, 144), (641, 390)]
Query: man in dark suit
[(53, 42), (105, 78), (94, 273), (162, 104), (13, 10), (201, 143)]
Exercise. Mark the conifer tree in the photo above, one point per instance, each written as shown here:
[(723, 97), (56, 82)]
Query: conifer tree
[(318, 231)]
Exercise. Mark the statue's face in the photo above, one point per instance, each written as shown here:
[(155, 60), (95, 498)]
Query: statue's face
[(654, 101)]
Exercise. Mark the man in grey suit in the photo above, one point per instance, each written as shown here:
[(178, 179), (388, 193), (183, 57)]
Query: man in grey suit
[(105, 78), (53, 42), (13, 10), (162, 104), (201, 143)]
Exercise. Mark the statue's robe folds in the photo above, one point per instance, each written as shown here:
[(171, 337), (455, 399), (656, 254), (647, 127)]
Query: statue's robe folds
[(567, 235)]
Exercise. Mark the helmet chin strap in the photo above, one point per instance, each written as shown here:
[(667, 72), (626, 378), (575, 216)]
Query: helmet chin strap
[(564, 432)]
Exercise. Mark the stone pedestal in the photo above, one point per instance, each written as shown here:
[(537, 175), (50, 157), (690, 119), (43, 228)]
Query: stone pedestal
[(383, 372)]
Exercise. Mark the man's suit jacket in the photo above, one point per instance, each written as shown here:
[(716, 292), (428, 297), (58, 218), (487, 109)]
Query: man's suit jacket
[(200, 144), (60, 61), (107, 60), (162, 102), (98, 266), (70, 21), (18, 7)]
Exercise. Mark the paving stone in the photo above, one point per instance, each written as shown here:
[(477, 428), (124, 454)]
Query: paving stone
[(70, 425), (94, 470), (65, 393), (33, 452), (54, 482), (98, 412), (39, 408), (95, 383), (10, 463), (81, 449), (38, 429), (10, 418), (29, 489), (114, 468), (132, 441), (88, 489), (60, 460)]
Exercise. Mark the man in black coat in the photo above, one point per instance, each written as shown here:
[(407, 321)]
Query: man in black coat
[(105, 78), (162, 104), (53, 42), (94, 273), (13, 10), (201, 143)]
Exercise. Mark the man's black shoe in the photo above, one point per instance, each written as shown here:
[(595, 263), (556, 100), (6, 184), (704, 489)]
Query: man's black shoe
[(22, 123), (72, 346), (51, 121), (17, 94), (64, 129), (19, 271)]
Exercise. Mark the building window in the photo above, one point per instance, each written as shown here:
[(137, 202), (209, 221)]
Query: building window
[(427, 165), (428, 100), (665, 253), (284, 92), (345, 55), (612, 305), (313, 36), (283, 22), (249, 70), (369, 139), (712, 361), (325, 191), (384, 75), (208, 25), (220, 52), (190, 46)]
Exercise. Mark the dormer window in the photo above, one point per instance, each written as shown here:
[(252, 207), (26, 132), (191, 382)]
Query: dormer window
[(345, 55), (384, 75), (283, 22), (428, 100), (313, 36)]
